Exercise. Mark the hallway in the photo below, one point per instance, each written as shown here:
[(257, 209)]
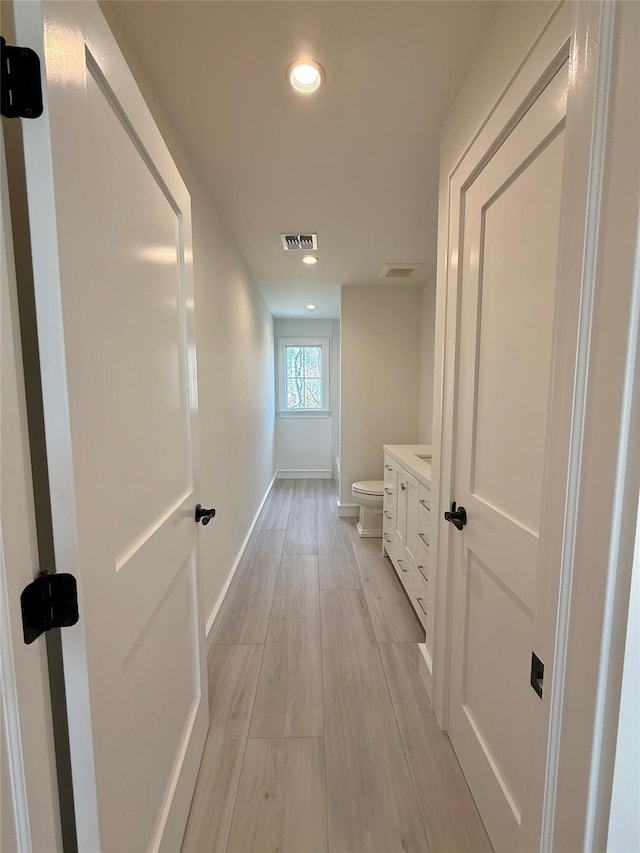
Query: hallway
[(321, 734)]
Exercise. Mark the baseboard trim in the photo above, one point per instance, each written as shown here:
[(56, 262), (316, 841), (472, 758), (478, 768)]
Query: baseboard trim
[(304, 473), (348, 510), (220, 600)]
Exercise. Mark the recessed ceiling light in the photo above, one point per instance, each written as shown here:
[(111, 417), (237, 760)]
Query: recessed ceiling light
[(309, 259), (311, 307), (305, 75)]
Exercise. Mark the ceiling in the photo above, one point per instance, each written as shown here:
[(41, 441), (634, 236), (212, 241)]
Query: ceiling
[(356, 162)]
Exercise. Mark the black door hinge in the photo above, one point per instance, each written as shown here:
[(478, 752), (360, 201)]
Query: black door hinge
[(537, 673), (51, 601), (21, 95)]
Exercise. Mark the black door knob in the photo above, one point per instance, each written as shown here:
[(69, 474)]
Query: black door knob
[(457, 516), (204, 515)]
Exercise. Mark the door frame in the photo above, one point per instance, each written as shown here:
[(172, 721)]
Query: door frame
[(31, 800), (601, 77)]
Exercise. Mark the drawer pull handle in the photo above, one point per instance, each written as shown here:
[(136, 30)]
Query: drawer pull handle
[(388, 491), (426, 505), (387, 538), (403, 486), (387, 514), (388, 467), (420, 600), (421, 570), (400, 562), (424, 539)]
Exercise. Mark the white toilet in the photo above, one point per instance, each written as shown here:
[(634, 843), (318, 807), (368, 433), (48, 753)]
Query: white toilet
[(369, 494)]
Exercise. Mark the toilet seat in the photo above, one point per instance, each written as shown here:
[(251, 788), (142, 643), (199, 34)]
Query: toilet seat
[(374, 488)]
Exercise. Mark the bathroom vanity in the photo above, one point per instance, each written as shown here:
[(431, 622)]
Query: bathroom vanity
[(407, 526)]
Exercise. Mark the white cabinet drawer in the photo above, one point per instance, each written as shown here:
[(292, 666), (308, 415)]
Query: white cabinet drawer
[(419, 600), (387, 536), (423, 569), (424, 493), (402, 566), (425, 544), (424, 515), (418, 590), (424, 528), (389, 504), (390, 471)]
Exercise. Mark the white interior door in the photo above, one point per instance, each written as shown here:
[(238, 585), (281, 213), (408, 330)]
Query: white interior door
[(29, 812), (111, 233), (510, 225)]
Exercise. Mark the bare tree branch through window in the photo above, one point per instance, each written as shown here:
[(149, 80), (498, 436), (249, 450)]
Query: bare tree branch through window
[(304, 377)]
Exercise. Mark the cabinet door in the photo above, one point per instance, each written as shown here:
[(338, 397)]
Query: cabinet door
[(401, 509)]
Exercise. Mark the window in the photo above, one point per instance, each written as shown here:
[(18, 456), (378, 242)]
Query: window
[(303, 376)]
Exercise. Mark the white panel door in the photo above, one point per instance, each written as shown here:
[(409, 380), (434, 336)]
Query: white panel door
[(29, 811), (111, 232), (510, 224)]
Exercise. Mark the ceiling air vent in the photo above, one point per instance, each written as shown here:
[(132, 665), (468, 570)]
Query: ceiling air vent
[(299, 241), (398, 270)]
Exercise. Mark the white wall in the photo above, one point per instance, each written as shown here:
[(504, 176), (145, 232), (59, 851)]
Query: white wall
[(428, 329), (234, 336), (335, 385), (512, 32), (308, 444), (380, 375)]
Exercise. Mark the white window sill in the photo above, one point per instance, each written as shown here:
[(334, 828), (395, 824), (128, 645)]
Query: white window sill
[(302, 413)]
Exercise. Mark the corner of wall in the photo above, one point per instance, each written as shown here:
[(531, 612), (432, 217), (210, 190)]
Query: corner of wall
[(427, 347)]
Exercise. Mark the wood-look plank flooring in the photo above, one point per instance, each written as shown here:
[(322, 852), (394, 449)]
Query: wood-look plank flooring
[(442, 791), (248, 606), (275, 513), (321, 735), (233, 676), (302, 530), (281, 800), (289, 698), (393, 621), (337, 561), (371, 801)]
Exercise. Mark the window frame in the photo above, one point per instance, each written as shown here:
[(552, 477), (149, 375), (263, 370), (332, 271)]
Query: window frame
[(325, 350)]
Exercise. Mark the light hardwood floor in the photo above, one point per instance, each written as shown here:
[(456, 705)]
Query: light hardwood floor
[(322, 737)]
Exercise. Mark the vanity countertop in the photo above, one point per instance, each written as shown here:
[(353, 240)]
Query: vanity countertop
[(408, 455)]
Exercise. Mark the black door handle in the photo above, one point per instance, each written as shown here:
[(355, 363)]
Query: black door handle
[(457, 516), (204, 515)]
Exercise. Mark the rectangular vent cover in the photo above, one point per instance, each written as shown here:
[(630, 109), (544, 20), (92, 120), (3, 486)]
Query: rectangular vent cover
[(398, 270), (299, 241)]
